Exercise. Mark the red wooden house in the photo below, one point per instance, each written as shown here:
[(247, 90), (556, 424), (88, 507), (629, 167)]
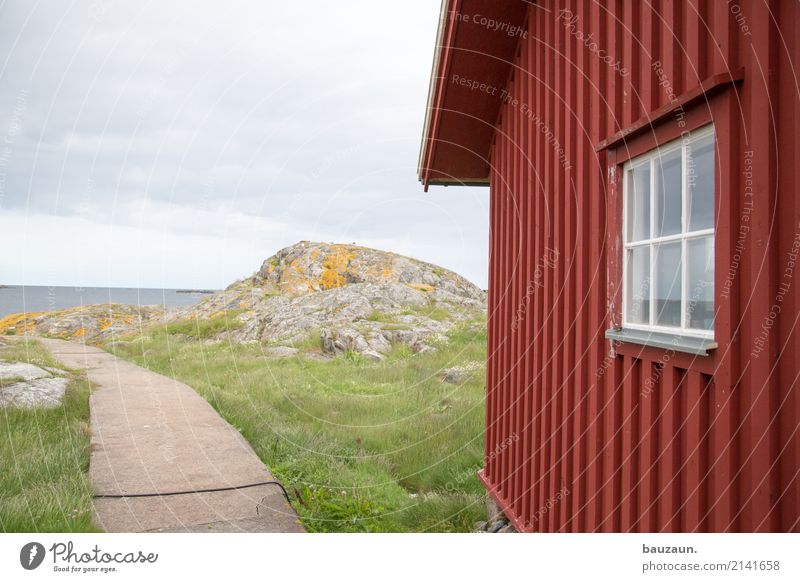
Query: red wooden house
[(642, 161)]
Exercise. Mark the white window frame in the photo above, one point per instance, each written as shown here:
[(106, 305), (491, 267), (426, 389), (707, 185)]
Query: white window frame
[(650, 158)]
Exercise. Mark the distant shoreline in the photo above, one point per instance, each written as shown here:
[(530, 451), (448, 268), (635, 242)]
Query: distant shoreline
[(205, 291), (35, 298)]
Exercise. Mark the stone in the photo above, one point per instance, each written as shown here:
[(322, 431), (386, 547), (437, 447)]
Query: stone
[(496, 526), (459, 374), (493, 511), (10, 370), (338, 341), (39, 392), (373, 355), (507, 529), (281, 352), (480, 525)]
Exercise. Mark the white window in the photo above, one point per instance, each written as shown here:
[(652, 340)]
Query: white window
[(668, 224)]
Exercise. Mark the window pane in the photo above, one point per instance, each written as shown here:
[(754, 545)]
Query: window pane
[(700, 287), (667, 274), (638, 203), (638, 291), (700, 183), (668, 194)]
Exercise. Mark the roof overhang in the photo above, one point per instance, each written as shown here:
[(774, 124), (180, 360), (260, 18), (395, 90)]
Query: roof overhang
[(475, 48)]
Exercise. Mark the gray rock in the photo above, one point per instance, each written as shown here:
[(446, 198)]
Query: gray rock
[(281, 352), (481, 525), (493, 511), (453, 376), (21, 370), (496, 526), (40, 392), (507, 529), (338, 341), (373, 355), (378, 343), (459, 374)]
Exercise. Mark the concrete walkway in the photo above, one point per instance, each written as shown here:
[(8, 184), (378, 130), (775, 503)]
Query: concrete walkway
[(152, 434)]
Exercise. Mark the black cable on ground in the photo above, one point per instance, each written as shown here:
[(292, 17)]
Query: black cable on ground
[(211, 490)]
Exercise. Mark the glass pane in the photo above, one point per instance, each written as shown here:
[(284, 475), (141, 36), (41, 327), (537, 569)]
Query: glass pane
[(667, 274), (638, 291), (638, 203), (668, 194), (700, 286), (700, 183)]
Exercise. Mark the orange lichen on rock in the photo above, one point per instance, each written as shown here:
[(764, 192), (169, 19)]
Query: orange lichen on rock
[(80, 332), (334, 267), (20, 322), (421, 287)]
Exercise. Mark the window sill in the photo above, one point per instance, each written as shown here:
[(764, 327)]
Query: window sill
[(698, 346)]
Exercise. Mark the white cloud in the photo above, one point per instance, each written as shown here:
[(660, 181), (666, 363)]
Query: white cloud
[(180, 143)]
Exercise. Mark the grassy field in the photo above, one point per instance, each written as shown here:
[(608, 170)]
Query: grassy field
[(44, 455), (360, 445)]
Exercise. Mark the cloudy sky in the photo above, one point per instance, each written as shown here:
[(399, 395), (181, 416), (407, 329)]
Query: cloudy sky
[(179, 144)]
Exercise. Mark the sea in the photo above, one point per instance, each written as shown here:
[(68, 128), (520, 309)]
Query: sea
[(28, 298)]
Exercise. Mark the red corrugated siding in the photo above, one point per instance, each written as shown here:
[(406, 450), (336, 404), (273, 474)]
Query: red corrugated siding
[(583, 437)]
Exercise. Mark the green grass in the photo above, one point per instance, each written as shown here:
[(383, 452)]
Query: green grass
[(44, 455), (430, 311), (205, 328), (360, 445)]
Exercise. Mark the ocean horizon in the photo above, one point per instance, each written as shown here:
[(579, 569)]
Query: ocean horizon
[(32, 298)]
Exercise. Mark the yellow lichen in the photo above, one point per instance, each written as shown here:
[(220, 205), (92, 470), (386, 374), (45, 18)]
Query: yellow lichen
[(421, 287), (20, 322), (334, 267), (331, 279), (79, 333)]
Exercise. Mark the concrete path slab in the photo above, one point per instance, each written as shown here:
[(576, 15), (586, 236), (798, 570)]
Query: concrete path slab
[(152, 434)]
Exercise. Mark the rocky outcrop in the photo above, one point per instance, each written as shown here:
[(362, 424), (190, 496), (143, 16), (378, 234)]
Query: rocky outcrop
[(343, 298), (353, 299), (85, 323)]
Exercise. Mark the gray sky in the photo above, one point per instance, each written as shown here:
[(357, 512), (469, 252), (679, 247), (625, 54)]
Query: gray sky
[(178, 144)]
